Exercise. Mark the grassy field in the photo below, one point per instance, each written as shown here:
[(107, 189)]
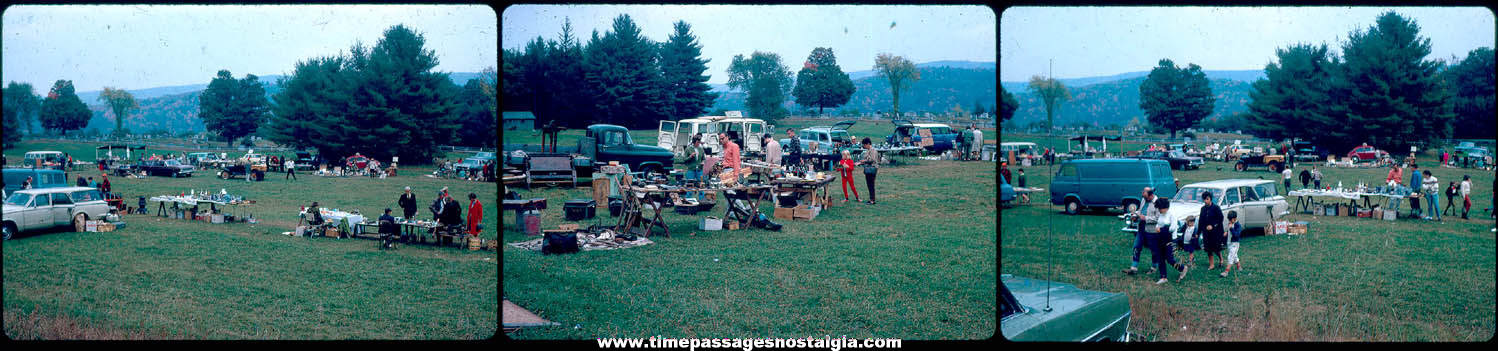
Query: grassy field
[(174, 279), (1348, 279), (917, 265)]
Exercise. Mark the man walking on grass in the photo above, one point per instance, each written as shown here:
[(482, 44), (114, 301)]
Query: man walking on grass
[(290, 169), (1144, 219)]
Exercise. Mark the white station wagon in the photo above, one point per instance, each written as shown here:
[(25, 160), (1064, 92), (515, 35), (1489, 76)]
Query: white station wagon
[(1255, 200), (37, 209)]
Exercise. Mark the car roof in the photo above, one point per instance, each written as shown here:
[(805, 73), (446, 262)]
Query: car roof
[(1228, 183), (53, 190), (1113, 160), (1017, 143), (43, 152), (930, 125)]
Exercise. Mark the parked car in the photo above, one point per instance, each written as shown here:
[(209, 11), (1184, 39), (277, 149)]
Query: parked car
[(1022, 150), (1255, 200), (472, 164), (1276, 163), (305, 161), (1177, 159), (943, 137), (602, 143), (47, 159), (1366, 153), (1305, 151), (38, 209), (202, 159), (1108, 183), (356, 161), (170, 168), (677, 135), (830, 141), (40, 178), (1074, 314)]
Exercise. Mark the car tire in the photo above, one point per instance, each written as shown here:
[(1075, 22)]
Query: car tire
[(78, 224), (223, 175), (1240, 167), (9, 230), (1274, 167), (1072, 207)]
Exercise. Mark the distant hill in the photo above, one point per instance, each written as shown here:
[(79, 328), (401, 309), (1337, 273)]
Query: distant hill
[(1248, 76), (1118, 102), (175, 108), (943, 84)]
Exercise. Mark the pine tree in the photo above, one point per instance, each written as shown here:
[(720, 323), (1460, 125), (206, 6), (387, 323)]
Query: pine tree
[(686, 92), (1390, 94), (1293, 101), (1471, 82), (625, 76)]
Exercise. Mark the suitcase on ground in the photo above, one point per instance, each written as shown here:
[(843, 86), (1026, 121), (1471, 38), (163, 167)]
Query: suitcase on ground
[(580, 209), (559, 243)]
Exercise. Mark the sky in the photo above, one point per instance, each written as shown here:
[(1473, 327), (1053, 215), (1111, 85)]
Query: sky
[(1102, 41), (144, 46), (856, 33)]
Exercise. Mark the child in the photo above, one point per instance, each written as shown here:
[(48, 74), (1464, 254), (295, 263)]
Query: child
[(1466, 192), (846, 166), (1234, 232), (1025, 196), (1188, 242), (1450, 205)]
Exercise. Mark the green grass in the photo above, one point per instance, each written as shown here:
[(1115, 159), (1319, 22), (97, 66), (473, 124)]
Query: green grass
[(917, 265), (1347, 279), (159, 278)]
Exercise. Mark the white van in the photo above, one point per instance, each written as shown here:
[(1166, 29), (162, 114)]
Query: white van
[(676, 135)]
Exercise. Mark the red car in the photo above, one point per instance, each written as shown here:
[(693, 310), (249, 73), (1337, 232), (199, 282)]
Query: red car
[(356, 160), (1366, 153)]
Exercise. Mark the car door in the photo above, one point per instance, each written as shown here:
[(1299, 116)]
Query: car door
[(756, 131), (1232, 202), (1254, 206), (40, 214), (1064, 182), (666, 138), (62, 209), (1274, 202)]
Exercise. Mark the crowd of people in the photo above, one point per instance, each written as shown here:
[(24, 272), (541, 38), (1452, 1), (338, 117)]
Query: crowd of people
[(446, 211), (701, 164), (1162, 232)]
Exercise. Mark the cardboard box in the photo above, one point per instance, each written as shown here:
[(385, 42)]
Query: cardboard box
[(784, 212), (601, 190), (91, 226), (802, 212), (1297, 229), (1389, 215), (1281, 227), (106, 227), (731, 225), (332, 232), (217, 219)]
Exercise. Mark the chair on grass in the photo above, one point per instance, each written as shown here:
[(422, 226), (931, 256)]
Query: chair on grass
[(388, 235)]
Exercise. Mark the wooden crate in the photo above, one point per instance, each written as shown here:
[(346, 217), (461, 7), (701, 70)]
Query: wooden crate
[(474, 243)]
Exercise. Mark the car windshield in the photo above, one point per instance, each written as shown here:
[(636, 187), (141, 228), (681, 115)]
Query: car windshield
[(172, 163), (18, 199), (1194, 194), (1177, 154)]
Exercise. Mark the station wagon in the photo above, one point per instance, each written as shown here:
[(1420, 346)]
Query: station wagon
[(40, 209)]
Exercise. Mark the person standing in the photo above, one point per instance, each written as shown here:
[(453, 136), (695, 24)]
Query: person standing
[(1432, 187), (731, 156), (1210, 227), (407, 204), (1023, 196), (92, 183), (1159, 241), (1144, 220), (1450, 192), (1287, 175), (1417, 186), (772, 149), (870, 164), (961, 143), (1466, 191), (693, 161), (104, 184), (82, 182), (1305, 178), (438, 205), (26, 184), (792, 148), (290, 169), (1234, 232), (1316, 176), (845, 167), (1004, 171), (475, 214), (977, 141), (452, 217)]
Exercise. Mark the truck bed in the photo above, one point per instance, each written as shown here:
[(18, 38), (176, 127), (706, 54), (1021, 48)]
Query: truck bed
[(536, 148)]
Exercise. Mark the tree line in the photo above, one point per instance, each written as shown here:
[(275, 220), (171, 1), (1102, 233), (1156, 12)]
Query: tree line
[(624, 78), (382, 101), (1381, 90)]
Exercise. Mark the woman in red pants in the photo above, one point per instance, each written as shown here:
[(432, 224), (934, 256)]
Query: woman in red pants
[(846, 166)]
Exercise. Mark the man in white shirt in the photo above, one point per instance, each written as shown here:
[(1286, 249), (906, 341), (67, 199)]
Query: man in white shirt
[(1161, 238), (1466, 191), (290, 169), (977, 141), (1286, 173)]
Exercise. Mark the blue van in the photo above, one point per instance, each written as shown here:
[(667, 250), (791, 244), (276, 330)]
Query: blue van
[(1107, 183), (40, 178)]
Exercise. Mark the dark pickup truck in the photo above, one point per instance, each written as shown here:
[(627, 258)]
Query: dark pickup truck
[(166, 168), (1177, 159)]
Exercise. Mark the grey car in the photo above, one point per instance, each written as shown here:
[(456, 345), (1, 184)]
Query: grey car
[(38, 209)]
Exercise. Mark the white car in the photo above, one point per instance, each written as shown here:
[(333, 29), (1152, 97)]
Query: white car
[(37, 209), (1255, 200)]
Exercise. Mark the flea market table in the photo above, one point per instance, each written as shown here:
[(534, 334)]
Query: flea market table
[(636, 199), (804, 188)]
